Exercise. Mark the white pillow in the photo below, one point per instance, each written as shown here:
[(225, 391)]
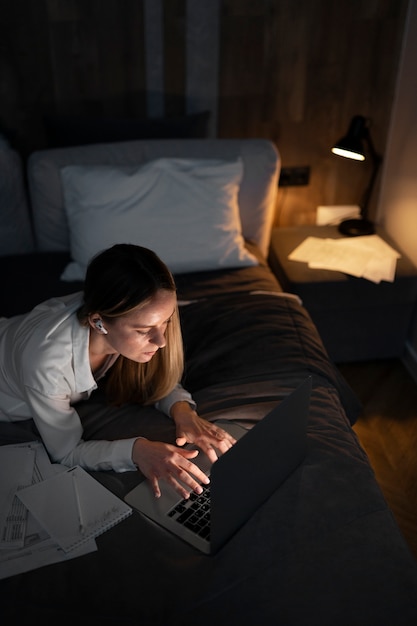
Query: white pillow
[(186, 210)]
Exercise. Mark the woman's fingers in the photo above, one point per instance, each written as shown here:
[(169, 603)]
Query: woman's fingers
[(183, 475), (155, 487)]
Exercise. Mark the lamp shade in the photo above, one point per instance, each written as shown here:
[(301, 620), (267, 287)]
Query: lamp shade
[(351, 145)]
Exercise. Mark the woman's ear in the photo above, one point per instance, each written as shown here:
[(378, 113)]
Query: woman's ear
[(98, 325)]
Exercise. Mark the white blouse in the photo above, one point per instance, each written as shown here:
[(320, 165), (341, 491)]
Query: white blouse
[(45, 370)]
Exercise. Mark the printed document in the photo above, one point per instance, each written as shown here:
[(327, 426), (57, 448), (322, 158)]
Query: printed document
[(368, 257)]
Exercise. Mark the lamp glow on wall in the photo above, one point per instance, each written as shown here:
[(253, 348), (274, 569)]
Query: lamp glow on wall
[(351, 146)]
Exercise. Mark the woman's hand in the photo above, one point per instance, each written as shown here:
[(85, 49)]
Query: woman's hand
[(157, 460), (191, 428)]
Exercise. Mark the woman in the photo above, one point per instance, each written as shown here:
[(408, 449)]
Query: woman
[(126, 326)]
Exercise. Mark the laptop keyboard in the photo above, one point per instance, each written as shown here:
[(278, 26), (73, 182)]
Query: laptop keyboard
[(194, 513)]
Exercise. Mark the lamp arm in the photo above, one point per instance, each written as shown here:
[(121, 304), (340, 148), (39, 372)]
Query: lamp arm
[(376, 160)]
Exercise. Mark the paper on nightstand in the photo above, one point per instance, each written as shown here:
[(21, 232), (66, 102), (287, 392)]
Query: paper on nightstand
[(367, 257), (328, 215)]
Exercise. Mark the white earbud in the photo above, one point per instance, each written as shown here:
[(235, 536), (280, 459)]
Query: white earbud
[(99, 325)]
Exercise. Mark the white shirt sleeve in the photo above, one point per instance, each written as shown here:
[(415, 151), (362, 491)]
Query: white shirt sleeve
[(60, 428), (178, 394)]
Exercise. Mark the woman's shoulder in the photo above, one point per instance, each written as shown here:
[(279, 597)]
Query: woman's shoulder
[(50, 339), (64, 304), (47, 326)]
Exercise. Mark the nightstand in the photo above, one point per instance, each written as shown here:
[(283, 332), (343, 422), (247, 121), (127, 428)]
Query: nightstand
[(358, 320)]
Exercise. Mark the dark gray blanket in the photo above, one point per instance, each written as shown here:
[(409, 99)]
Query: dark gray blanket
[(323, 550)]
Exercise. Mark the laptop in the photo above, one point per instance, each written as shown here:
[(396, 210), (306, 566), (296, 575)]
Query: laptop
[(240, 480)]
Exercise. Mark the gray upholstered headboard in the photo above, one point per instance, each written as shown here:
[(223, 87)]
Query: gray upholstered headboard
[(15, 227), (257, 194)]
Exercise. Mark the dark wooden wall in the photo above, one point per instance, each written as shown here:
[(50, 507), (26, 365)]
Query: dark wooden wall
[(294, 72)]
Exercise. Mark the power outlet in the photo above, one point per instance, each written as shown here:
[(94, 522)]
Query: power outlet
[(294, 176)]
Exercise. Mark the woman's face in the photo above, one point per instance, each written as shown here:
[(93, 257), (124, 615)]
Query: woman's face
[(138, 335)]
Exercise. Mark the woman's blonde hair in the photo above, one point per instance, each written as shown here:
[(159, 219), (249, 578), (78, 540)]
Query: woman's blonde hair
[(118, 280)]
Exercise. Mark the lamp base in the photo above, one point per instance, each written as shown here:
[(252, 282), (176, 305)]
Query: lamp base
[(356, 227)]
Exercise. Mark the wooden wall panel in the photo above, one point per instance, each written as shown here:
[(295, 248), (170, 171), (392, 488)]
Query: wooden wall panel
[(69, 57), (98, 56), (293, 72), (154, 58), (318, 63), (175, 62)]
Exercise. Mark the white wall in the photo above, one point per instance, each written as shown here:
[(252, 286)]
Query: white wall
[(398, 195)]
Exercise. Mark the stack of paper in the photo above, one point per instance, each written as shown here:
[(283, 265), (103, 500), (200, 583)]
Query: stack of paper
[(49, 513), (73, 507), (367, 256)]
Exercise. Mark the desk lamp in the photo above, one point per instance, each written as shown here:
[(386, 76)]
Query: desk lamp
[(351, 147)]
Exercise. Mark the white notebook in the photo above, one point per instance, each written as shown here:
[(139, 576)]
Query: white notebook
[(73, 507)]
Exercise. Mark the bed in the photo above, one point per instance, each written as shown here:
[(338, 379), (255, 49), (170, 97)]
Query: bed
[(324, 548)]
